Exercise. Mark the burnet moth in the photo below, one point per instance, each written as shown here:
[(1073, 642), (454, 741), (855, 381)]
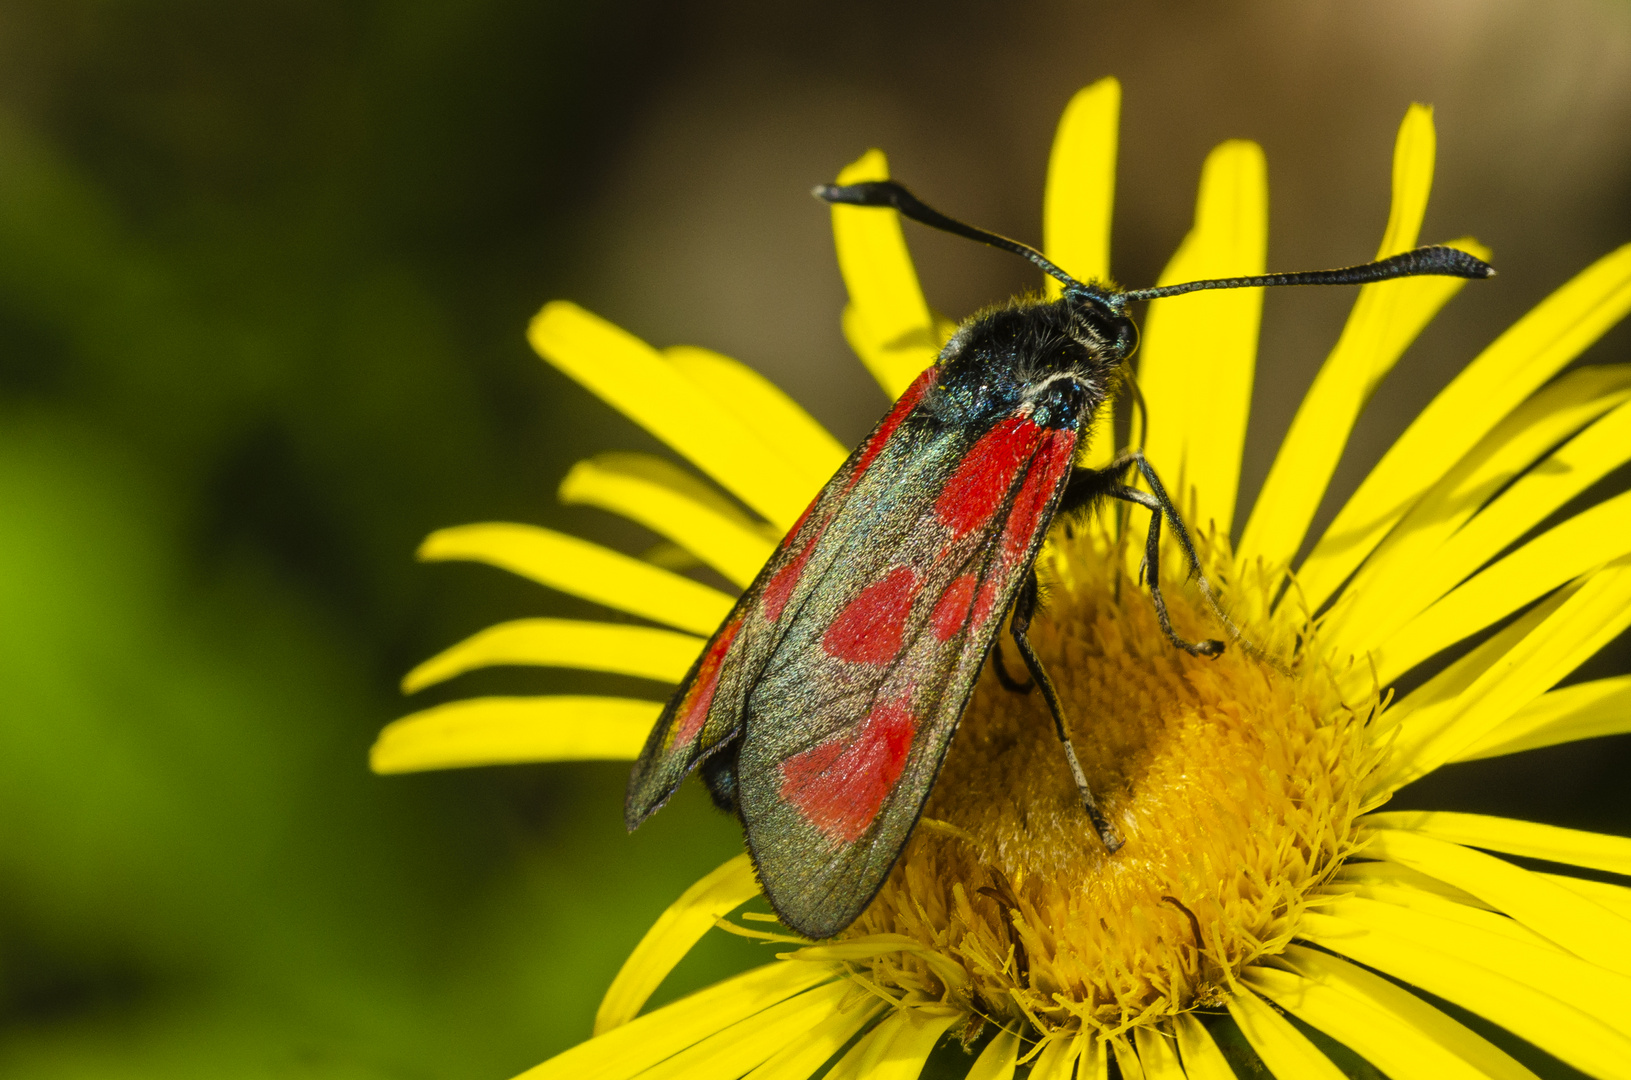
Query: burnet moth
[(820, 711)]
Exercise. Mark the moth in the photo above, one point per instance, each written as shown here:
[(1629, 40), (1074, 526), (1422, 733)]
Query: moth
[(821, 709)]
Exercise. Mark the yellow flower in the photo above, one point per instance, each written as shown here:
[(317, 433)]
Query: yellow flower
[(1261, 900)]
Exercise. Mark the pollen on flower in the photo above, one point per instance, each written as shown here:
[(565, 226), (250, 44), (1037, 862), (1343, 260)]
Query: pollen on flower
[(1235, 785)]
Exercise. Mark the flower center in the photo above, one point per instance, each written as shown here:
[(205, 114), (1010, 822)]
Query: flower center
[(1235, 786)]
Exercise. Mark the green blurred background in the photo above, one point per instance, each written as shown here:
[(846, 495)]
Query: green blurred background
[(264, 272)]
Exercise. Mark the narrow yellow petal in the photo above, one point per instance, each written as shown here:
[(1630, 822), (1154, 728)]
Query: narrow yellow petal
[(1583, 986), (583, 569), (1588, 930), (1127, 1059), (1562, 1030), (653, 493), (1385, 319), (1587, 710), (996, 1061), (1530, 839), (766, 410), (1438, 701), (1081, 186), (634, 379), (801, 1057), (1285, 1050), (646, 1040), (1373, 872), (1199, 351), (642, 651), (672, 936), (1158, 1052), (1057, 1061), (897, 1048), (1435, 547), (1392, 1045), (752, 1041), (1077, 206), (1616, 898), (1405, 1023), (505, 730), (888, 322), (1522, 359), (1094, 1063), (1430, 901), (1558, 555), (1201, 1057), (1589, 618)]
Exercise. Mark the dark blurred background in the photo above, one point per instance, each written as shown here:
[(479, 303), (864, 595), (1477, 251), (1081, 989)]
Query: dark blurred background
[(264, 272)]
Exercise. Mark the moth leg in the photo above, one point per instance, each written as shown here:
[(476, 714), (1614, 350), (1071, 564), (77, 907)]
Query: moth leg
[(1009, 683), (1088, 485), (1019, 628), (1152, 571)]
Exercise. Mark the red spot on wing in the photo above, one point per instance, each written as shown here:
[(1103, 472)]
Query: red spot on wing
[(693, 710), (869, 629), (986, 475), (953, 609), (840, 785), (780, 587), (874, 445), (986, 599), (1024, 517)]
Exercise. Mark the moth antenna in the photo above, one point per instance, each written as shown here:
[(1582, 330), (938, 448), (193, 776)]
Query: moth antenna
[(887, 193), (1438, 260)]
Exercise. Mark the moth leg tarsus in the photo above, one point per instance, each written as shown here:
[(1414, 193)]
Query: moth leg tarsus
[(1009, 683), (1019, 629), (1159, 504)]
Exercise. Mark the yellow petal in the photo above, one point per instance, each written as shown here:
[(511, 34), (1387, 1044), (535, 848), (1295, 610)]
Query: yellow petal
[(1199, 350), (1094, 1063), (1385, 319), (646, 1040), (1589, 618), (1371, 873), (505, 730), (1586, 929), (1479, 915), (753, 1040), (1584, 986), (1575, 547), (1514, 366), (1158, 1053), (1081, 187), (801, 1057), (1616, 898), (1057, 1061), (996, 1061), (887, 322), (897, 1048), (1202, 1059), (1285, 1050), (1405, 1035), (655, 494), (1587, 710), (583, 569), (641, 651), (672, 936), (1127, 1062), (1435, 547), (1398, 1049), (1575, 466), (766, 410), (1526, 838), (1562, 1030), (634, 379)]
